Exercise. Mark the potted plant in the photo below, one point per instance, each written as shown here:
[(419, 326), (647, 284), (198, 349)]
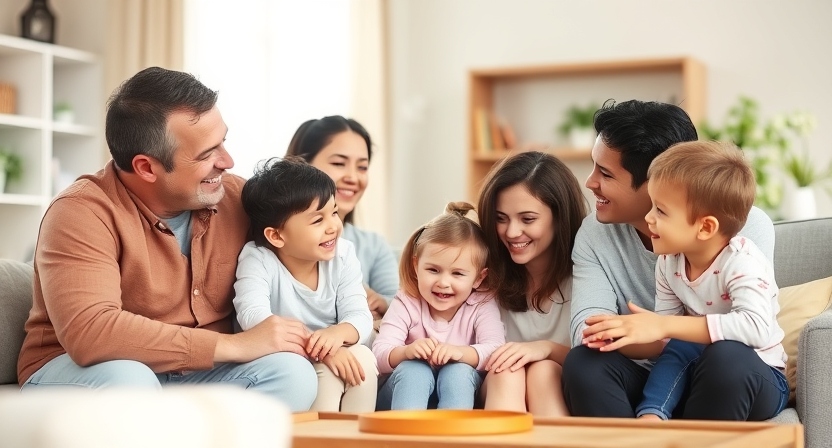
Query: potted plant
[(797, 164), (11, 168), (771, 149), (577, 125), (63, 113), (761, 142)]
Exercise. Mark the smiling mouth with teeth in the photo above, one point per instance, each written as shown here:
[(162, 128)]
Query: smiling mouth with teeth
[(328, 244), (443, 296), (212, 181)]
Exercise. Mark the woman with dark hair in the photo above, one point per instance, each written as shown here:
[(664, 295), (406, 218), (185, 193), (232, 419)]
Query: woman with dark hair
[(342, 148), (530, 209)]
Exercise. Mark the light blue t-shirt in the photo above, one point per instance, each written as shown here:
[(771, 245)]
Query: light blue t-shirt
[(379, 267)]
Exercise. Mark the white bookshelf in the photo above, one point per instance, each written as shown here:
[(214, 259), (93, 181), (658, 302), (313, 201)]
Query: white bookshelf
[(43, 74)]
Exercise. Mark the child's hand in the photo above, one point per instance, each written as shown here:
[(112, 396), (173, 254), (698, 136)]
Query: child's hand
[(344, 365), (420, 348), (324, 342), (444, 353), (515, 355), (611, 332)]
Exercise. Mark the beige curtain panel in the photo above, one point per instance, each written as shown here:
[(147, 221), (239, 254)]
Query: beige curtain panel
[(142, 33)]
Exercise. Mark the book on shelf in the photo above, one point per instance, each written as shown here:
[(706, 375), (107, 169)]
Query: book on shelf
[(497, 140), (482, 131), (492, 133)]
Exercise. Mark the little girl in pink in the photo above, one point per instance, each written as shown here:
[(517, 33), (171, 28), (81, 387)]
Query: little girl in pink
[(439, 330)]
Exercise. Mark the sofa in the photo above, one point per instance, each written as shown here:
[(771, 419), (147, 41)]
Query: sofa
[(803, 270)]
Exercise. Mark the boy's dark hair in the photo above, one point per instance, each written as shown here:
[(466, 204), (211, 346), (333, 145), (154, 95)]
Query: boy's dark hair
[(138, 110), (546, 178), (313, 135), (279, 189), (640, 131)]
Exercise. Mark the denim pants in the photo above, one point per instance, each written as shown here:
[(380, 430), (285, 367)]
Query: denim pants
[(415, 384), (671, 375), (669, 378), (286, 376)]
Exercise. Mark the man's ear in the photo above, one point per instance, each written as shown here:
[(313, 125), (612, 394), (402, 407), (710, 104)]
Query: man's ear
[(145, 167), (708, 228), (481, 277), (273, 237)]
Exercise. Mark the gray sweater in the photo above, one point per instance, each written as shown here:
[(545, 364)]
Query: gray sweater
[(612, 267)]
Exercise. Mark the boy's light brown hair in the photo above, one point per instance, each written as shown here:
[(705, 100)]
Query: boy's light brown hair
[(454, 229), (716, 178)]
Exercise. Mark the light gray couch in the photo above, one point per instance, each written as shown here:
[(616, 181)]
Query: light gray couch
[(802, 253)]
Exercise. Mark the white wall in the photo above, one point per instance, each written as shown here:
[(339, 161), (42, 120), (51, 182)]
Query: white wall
[(771, 50)]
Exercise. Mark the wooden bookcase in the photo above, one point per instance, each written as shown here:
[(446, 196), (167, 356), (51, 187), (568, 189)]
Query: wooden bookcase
[(532, 101), (53, 152)]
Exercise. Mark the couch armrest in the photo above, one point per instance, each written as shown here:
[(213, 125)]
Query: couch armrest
[(814, 380)]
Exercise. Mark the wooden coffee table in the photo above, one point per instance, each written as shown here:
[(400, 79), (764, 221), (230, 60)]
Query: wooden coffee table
[(331, 430)]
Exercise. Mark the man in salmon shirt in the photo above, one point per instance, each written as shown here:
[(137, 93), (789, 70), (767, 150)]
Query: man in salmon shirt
[(135, 264)]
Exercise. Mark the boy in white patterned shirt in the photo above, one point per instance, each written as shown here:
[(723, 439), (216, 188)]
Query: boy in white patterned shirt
[(712, 286)]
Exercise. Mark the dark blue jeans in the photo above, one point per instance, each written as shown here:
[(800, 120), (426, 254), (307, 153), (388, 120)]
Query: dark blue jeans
[(729, 381), (669, 378)]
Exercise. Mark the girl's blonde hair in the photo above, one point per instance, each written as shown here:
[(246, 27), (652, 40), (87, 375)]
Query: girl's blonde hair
[(454, 228)]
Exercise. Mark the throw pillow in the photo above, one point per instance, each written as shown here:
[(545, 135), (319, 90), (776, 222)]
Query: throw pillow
[(798, 305)]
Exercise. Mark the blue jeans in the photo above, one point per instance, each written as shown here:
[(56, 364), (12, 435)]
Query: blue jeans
[(669, 378), (416, 385), (285, 376)]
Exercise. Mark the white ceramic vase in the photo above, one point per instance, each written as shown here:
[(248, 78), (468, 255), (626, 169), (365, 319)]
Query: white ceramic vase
[(801, 204)]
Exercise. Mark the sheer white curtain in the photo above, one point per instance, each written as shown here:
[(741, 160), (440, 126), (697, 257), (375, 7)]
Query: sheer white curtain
[(278, 63)]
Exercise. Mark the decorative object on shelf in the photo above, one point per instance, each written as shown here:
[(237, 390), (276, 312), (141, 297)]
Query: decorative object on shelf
[(577, 125), (63, 113), (770, 147), (11, 168), (800, 202), (8, 103), (38, 22)]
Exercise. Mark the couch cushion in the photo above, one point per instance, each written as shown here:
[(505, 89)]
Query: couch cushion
[(799, 304), (15, 303), (801, 251)]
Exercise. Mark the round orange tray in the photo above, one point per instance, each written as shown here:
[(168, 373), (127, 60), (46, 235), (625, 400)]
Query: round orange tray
[(440, 422)]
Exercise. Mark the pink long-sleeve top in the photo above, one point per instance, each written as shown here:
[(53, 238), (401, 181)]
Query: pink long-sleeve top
[(477, 323)]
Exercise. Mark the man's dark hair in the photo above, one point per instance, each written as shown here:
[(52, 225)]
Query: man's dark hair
[(640, 131), (281, 188), (138, 110)]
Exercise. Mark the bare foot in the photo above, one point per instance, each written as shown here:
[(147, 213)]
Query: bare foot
[(652, 417)]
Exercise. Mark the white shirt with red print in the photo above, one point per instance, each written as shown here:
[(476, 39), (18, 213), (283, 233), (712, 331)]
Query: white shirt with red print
[(737, 294)]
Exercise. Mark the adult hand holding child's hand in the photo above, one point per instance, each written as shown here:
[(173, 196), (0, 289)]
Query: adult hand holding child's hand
[(275, 334)]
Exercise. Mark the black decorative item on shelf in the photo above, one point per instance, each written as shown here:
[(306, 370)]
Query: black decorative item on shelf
[(38, 22)]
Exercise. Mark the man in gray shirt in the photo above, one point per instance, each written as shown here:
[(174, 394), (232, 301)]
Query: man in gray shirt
[(614, 264)]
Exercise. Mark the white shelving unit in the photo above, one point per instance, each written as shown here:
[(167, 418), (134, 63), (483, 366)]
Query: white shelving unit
[(53, 153)]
